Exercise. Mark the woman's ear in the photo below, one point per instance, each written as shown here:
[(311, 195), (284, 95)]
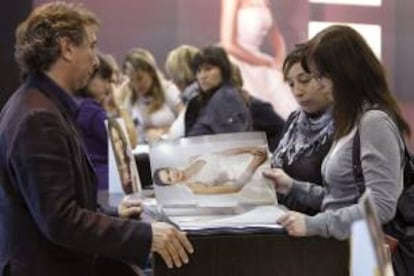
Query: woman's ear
[(325, 85)]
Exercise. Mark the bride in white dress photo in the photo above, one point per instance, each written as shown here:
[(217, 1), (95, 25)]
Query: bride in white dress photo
[(245, 24)]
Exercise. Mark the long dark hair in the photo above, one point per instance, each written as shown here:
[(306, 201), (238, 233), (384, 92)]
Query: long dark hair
[(340, 54)]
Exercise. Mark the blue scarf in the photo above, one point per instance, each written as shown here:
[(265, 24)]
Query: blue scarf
[(304, 135)]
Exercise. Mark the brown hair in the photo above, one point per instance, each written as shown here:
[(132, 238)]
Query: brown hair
[(141, 59), (295, 56), (37, 38), (341, 54)]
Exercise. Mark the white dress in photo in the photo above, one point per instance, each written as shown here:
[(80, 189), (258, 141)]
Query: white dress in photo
[(265, 83)]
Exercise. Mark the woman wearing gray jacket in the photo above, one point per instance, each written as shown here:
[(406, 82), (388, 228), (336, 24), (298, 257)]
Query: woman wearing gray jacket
[(340, 59)]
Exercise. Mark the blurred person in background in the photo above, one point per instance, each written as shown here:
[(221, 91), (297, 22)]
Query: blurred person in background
[(50, 222), (219, 107), (245, 24), (153, 101)]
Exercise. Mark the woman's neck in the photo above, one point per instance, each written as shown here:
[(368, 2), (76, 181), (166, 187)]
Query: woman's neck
[(317, 114)]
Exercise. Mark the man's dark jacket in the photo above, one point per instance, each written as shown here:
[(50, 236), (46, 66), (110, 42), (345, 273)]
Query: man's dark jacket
[(48, 219)]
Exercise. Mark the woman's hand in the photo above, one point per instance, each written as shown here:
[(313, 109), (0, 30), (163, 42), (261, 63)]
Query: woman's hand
[(294, 223), (129, 207), (283, 183), (154, 134), (118, 87)]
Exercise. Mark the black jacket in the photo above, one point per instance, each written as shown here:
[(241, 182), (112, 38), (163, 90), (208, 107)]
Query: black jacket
[(48, 219), (221, 111)]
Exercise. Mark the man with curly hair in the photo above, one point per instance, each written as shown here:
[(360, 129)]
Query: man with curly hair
[(49, 223)]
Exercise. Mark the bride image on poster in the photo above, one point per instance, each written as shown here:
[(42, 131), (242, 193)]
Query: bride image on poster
[(221, 169), (244, 26), (222, 172)]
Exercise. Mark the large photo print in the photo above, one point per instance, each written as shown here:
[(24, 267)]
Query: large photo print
[(219, 170), (215, 181)]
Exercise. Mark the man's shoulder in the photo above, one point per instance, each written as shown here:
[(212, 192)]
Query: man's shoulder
[(30, 98), (24, 102)]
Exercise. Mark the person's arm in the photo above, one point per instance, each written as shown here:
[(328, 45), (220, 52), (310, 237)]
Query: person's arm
[(121, 90), (194, 167), (259, 157), (254, 150), (172, 97), (220, 188), (308, 194), (49, 179), (228, 35), (381, 160), (279, 46)]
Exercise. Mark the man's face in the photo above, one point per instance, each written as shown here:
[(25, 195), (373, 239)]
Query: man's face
[(85, 59)]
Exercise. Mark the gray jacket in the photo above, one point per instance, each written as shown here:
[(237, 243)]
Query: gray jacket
[(382, 152)]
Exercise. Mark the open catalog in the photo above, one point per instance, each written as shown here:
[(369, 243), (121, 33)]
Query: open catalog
[(215, 182)]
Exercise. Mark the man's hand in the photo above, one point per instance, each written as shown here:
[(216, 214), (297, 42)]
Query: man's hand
[(129, 207), (171, 244)]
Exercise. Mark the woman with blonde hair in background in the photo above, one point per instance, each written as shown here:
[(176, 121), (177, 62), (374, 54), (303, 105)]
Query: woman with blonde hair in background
[(178, 66), (154, 102)]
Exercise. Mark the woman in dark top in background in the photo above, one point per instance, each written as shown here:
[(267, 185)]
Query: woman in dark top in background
[(219, 108), (91, 118), (308, 131)]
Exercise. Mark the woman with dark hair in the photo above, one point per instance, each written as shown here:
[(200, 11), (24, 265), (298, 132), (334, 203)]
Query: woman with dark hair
[(91, 118), (308, 132), (219, 108), (339, 58)]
